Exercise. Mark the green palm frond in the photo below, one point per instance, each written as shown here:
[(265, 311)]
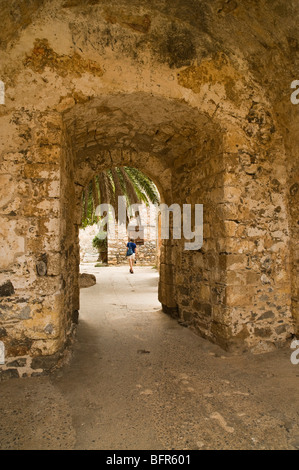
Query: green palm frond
[(144, 185), (105, 192), (118, 191), (108, 185), (129, 187)]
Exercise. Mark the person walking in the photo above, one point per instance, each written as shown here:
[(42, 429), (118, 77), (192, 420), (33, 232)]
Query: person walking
[(131, 253)]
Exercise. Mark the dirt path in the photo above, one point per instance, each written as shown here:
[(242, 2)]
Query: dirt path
[(138, 380)]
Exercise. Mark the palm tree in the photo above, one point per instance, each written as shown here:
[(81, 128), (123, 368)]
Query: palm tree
[(106, 187)]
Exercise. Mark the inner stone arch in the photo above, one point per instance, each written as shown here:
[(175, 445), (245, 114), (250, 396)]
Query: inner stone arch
[(71, 201), (181, 150), (193, 160)]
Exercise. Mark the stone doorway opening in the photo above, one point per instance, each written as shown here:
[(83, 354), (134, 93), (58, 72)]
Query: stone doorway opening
[(192, 159), (117, 205), (136, 131)]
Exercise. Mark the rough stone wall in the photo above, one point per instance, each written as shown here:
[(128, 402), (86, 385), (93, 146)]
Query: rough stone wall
[(196, 94), (146, 253), (69, 254), (200, 277), (262, 238), (30, 311), (289, 127), (241, 275), (294, 212), (87, 252)]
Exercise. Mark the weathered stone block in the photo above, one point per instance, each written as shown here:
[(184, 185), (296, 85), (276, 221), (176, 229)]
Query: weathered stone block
[(21, 362), (9, 374), (202, 308), (235, 296), (6, 289), (3, 332), (45, 362), (19, 346), (87, 280), (11, 243)]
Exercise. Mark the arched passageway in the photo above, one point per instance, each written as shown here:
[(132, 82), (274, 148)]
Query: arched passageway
[(96, 131), (200, 124), (186, 158)]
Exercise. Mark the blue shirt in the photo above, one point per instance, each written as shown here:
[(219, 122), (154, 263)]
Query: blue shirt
[(132, 246)]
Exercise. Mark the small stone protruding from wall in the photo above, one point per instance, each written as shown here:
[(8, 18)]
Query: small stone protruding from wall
[(87, 280), (7, 289), (42, 265)]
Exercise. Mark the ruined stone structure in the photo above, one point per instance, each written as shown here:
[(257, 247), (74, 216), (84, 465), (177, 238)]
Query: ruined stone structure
[(194, 93)]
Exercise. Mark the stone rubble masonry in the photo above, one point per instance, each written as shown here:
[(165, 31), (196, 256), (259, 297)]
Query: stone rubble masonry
[(197, 97), (28, 366)]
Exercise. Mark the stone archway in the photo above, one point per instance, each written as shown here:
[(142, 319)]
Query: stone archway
[(156, 145), (193, 161), (203, 288), (206, 132)]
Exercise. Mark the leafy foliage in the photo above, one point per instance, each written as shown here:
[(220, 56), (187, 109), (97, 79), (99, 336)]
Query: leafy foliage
[(99, 243), (108, 185)]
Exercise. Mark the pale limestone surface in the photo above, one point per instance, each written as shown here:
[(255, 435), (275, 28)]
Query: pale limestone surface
[(139, 380)]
